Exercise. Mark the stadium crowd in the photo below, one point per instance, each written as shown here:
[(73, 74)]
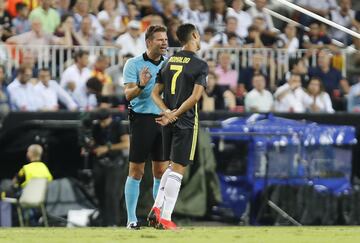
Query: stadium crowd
[(119, 25)]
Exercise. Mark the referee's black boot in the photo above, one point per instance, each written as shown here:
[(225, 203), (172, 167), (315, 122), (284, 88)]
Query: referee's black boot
[(133, 226)]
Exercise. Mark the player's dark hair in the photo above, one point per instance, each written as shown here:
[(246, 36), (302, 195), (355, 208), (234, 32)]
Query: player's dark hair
[(152, 29), (184, 32)]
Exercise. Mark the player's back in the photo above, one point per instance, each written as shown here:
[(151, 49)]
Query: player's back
[(179, 75)]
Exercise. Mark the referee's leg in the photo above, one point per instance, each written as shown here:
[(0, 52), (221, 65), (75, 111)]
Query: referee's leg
[(132, 191)]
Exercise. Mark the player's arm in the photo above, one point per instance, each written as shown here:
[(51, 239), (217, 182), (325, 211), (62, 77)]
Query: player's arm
[(191, 101)]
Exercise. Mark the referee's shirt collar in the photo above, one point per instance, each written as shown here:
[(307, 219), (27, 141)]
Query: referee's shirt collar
[(156, 63)]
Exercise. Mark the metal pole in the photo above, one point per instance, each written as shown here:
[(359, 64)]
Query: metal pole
[(320, 18)]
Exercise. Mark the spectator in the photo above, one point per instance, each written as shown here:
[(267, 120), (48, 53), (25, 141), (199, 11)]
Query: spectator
[(321, 101), (335, 85), (168, 11), (246, 75), (5, 21), (132, 13), (353, 104), (253, 40), (343, 16), (110, 15), (116, 74), (86, 35), (87, 95), (244, 19), (217, 97), (4, 96), (258, 99), (221, 39), (21, 23), (259, 11), (226, 75), (37, 37), (288, 40), (315, 39), (321, 8), (217, 15), (193, 14), (291, 97), (22, 94), (28, 60), (11, 5), (77, 74), (102, 63), (297, 66), (206, 44), (51, 93), (67, 29), (82, 10), (48, 16), (268, 38), (171, 33), (133, 41), (34, 169), (3, 50), (62, 7)]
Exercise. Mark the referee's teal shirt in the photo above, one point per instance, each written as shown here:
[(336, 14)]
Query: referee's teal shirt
[(142, 103)]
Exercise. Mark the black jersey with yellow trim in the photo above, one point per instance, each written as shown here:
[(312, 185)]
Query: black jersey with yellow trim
[(179, 75)]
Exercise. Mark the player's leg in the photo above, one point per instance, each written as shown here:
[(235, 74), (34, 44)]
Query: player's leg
[(160, 172), (182, 154)]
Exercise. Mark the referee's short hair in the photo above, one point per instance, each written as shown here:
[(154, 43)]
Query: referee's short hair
[(152, 29), (184, 32)]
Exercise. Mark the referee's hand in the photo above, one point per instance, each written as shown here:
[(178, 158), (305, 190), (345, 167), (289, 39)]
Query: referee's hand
[(145, 76)]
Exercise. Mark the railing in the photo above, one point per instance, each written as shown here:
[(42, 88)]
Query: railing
[(57, 58)]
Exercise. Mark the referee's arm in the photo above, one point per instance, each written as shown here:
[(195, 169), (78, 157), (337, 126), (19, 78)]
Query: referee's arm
[(132, 90)]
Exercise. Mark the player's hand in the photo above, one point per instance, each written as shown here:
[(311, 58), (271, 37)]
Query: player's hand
[(145, 76), (101, 150), (162, 120), (170, 115)]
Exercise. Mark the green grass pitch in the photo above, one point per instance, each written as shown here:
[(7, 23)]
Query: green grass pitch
[(186, 234)]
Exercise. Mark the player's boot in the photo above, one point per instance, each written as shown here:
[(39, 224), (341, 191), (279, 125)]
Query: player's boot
[(133, 226), (153, 217), (166, 224)]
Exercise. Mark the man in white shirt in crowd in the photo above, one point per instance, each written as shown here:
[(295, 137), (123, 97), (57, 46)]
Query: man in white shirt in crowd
[(133, 41), (291, 97), (51, 93), (23, 97), (87, 95), (259, 11), (75, 76), (343, 16), (244, 18), (258, 99), (193, 14)]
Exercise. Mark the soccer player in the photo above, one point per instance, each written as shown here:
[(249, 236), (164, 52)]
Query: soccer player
[(145, 134), (181, 80)]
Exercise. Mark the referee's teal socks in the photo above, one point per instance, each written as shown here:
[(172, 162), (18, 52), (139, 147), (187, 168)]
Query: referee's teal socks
[(132, 191), (156, 186)]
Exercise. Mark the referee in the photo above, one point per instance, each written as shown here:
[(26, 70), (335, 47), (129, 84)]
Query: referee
[(145, 134), (181, 80)]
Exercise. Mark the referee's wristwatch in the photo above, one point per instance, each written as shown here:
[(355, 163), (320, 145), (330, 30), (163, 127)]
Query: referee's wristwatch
[(140, 86)]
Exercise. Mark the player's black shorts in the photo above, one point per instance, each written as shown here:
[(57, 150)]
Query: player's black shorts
[(180, 144), (145, 138)]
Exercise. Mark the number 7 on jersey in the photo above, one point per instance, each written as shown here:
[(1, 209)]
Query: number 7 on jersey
[(178, 69)]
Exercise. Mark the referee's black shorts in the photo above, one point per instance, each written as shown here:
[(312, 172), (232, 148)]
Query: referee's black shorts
[(145, 138), (180, 144)]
